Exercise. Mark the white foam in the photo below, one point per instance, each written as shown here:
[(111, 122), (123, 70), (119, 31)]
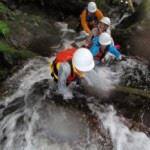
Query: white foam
[(122, 137)]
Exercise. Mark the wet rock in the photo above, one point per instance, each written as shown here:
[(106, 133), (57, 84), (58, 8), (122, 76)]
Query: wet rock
[(133, 32), (133, 107), (28, 31), (57, 9), (22, 38), (14, 106), (10, 3), (45, 46)]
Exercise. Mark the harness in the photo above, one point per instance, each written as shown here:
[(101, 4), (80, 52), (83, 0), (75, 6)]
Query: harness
[(54, 67), (54, 73)]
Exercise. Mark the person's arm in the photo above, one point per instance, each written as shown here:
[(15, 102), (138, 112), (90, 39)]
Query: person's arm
[(115, 52), (95, 46), (99, 14), (63, 73), (84, 22)]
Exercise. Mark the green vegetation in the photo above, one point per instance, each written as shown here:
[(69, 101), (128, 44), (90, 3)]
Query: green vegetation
[(100, 3), (4, 28), (11, 58), (15, 54), (3, 8), (145, 7)]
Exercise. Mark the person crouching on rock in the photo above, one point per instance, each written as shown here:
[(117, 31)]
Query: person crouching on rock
[(70, 65), (105, 51)]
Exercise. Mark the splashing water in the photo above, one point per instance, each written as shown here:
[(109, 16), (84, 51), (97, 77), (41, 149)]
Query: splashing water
[(103, 80), (31, 121), (34, 71), (122, 137), (134, 73), (67, 35)]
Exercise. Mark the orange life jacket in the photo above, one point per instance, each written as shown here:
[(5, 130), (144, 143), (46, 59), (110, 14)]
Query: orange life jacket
[(61, 57)]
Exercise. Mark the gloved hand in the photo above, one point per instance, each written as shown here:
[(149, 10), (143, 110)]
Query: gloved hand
[(68, 95), (103, 61), (123, 57), (94, 31)]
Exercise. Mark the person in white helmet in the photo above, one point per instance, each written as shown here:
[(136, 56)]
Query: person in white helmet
[(70, 65), (104, 25), (104, 48), (90, 16)]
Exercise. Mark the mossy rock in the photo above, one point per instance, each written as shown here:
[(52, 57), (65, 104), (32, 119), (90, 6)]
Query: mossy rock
[(3, 73), (14, 54), (11, 58)]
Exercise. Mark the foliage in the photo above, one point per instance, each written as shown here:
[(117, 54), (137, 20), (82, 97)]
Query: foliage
[(15, 54), (4, 28), (99, 3), (3, 8), (12, 58), (146, 8)]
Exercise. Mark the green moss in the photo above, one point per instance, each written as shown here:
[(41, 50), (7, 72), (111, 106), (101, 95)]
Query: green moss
[(3, 73), (12, 58), (5, 48), (146, 8), (4, 28), (15, 54), (3, 8), (25, 54)]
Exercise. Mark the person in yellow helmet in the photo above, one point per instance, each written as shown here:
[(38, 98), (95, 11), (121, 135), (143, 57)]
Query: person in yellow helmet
[(90, 17)]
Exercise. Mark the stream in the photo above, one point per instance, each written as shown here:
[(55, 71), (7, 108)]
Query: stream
[(33, 116)]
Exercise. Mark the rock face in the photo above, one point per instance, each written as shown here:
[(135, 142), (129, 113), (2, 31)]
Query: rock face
[(22, 31), (140, 37), (56, 8), (134, 31), (65, 6)]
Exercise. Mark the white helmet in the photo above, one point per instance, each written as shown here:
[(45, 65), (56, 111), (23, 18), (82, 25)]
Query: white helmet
[(105, 39), (92, 7), (83, 60), (106, 21)]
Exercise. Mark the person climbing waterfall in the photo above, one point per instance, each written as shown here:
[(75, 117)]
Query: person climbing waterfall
[(89, 17), (104, 25), (70, 65), (104, 51)]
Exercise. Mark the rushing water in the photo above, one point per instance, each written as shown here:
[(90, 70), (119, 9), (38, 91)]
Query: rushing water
[(34, 117)]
